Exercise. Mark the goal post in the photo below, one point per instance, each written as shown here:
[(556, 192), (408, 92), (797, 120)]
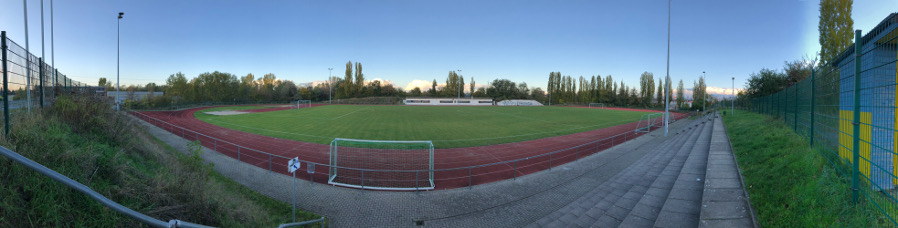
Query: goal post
[(647, 121), (597, 105), (381, 164), (302, 104)]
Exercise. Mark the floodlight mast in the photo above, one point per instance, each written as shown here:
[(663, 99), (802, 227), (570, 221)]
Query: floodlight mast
[(329, 82), (27, 53), (117, 59), (667, 88)]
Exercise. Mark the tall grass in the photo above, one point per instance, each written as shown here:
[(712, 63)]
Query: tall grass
[(790, 184), (82, 138)]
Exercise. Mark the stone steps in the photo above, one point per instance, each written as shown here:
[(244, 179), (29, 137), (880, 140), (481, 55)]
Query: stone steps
[(683, 204), (645, 213), (621, 192)]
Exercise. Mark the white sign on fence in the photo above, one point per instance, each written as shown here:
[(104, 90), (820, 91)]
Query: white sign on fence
[(293, 165)]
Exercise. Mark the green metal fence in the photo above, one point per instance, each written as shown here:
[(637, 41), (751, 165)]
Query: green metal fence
[(28, 81), (848, 108)]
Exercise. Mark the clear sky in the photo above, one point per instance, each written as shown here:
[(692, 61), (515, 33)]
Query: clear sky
[(407, 40)]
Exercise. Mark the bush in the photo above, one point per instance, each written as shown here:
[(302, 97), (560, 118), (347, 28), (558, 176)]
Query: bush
[(83, 139)]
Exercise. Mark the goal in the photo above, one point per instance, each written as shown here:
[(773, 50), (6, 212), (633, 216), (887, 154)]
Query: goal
[(647, 121), (381, 165), (597, 105), (302, 104)]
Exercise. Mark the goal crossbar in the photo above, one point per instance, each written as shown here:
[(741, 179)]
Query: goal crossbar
[(381, 164)]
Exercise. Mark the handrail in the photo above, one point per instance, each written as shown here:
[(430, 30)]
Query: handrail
[(320, 220), (18, 158), (381, 170)]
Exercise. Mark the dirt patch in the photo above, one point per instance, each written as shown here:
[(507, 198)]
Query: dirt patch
[(226, 113)]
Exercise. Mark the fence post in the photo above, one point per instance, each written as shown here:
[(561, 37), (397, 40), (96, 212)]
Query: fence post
[(795, 114), (855, 168), (3, 49), (813, 89), (40, 62)]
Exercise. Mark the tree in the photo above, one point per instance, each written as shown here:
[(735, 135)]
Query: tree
[(151, 88), (646, 87), (765, 82), (797, 70), (472, 87), (177, 85), (347, 85), (609, 93), (835, 28), (660, 98), (538, 95), (359, 80), (681, 96), (102, 82), (416, 92), (461, 86), (433, 89), (699, 96)]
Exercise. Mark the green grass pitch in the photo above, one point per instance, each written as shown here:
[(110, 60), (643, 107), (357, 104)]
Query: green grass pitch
[(447, 127)]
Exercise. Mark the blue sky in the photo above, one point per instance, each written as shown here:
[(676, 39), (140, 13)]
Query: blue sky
[(405, 40)]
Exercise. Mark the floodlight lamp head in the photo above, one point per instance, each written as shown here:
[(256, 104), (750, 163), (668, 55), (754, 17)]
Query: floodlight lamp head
[(120, 14)]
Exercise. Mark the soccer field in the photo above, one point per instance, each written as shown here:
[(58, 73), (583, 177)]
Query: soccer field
[(447, 127)]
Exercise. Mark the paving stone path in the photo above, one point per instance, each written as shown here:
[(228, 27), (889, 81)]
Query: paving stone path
[(651, 181)]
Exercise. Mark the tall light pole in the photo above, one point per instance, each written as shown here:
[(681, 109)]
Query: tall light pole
[(733, 102), (40, 64), (460, 86), (704, 95), (330, 77), (667, 87), (27, 58), (52, 48), (118, 46)]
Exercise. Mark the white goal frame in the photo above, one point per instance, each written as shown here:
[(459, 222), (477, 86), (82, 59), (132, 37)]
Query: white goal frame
[(302, 104), (423, 179), (595, 105), (647, 121)]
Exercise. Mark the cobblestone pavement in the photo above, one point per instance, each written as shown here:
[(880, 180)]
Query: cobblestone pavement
[(648, 181)]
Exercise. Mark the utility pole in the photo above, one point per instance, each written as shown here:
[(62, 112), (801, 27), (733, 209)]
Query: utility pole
[(733, 102), (667, 87), (27, 58), (52, 48), (117, 59)]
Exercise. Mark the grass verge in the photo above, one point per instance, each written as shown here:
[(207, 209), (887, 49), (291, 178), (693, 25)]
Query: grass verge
[(83, 139), (790, 184)]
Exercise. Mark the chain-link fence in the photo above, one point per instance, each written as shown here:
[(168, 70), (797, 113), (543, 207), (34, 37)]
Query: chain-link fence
[(848, 108), (28, 81)]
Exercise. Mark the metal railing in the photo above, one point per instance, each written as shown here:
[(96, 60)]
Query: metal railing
[(454, 177), (91, 193), (849, 109)]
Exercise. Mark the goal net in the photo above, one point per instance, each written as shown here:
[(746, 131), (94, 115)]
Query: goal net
[(302, 104), (381, 165), (647, 121), (597, 105)]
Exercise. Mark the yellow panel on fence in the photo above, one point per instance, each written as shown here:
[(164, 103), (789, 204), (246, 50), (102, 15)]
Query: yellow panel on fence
[(865, 146), (845, 133)]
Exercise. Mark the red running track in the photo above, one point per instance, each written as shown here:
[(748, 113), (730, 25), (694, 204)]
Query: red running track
[(454, 167)]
